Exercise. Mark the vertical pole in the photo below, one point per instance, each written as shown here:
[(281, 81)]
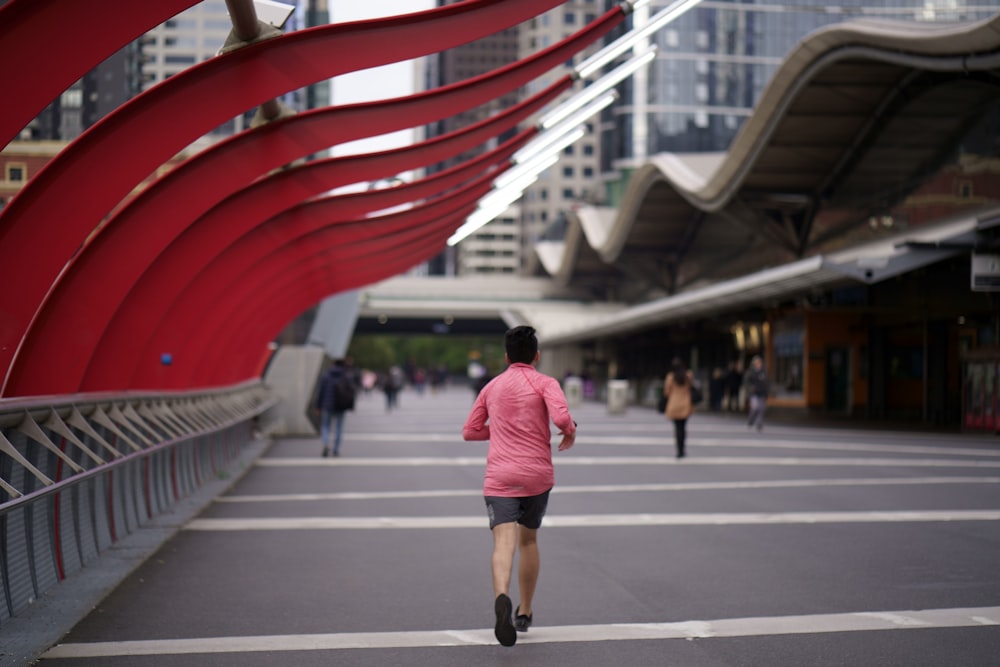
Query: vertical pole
[(244, 17)]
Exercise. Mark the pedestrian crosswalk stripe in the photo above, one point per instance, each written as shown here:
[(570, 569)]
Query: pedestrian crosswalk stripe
[(689, 630), (570, 460), (592, 520), (611, 488), (667, 439)]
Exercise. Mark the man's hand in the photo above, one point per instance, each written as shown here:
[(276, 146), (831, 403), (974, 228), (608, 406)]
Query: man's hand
[(567, 441)]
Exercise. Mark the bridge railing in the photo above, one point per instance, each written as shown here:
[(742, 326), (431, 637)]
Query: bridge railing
[(79, 473)]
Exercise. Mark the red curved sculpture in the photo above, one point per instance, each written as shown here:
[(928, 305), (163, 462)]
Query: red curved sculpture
[(37, 238), (199, 296), (246, 337), (112, 360), (356, 246), (118, 256), (30, 28)]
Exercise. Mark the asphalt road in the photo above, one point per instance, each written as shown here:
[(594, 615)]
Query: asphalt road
[(801, 545)]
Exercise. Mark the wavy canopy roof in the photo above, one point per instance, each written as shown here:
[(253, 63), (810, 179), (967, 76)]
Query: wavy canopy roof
[(857, 116)]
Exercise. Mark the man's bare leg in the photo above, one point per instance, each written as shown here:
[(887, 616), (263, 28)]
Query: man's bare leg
[(504, 544), (528, 565)]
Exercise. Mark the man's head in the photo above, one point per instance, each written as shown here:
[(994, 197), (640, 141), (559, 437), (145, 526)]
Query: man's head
[(757, 362), (521, 345)]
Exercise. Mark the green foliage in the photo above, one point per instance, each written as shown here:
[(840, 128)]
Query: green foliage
[(379, 351)]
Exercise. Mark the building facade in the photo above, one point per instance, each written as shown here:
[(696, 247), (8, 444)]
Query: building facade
[(714, 62)]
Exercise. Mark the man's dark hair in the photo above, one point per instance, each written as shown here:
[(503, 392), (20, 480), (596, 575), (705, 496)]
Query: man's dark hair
[(521, 345)]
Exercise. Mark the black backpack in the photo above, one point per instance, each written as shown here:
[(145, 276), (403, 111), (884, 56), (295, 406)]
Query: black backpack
[(343, 393)]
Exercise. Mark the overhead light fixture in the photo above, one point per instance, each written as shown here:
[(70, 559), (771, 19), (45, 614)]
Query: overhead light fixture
[(561, 126), (550, 153), (598, 88), (594, 63), (520, 178), (496, 202), (540, 143), (510, 186)]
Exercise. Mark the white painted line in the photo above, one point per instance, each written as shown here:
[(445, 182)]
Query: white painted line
[(705, 630), (611, 488), (743, 440), (565, 459), (592, 520)]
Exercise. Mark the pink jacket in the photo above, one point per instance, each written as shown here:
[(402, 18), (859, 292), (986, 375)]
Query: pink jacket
[(513, 412)]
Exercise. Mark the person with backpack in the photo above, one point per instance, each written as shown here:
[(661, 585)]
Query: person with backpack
[(334, 399)]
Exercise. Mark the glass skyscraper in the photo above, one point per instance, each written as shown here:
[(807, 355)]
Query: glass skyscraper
[(714, 63)]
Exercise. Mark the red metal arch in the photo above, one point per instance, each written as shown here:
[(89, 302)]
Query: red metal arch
[(113, 359), (351, 239), (31, 31), (118, 256), (186, 311), (37, 238), (243, 339)]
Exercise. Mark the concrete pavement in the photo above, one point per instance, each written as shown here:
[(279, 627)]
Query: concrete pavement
[(801, 545)]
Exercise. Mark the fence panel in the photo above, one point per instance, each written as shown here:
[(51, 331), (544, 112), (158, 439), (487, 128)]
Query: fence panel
[(79, 474)]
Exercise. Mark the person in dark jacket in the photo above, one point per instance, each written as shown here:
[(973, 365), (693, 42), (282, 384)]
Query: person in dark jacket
[(335, 397), (733, 383), (757, 389)]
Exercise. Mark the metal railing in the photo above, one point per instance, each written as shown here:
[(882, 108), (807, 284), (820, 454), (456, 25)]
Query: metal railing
[(79, 473)]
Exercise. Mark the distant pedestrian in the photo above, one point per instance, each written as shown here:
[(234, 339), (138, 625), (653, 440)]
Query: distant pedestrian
[(335, 397), (513, 413), (392, 383), (734, 382), (757, 389), (716, 389), (677, 389)]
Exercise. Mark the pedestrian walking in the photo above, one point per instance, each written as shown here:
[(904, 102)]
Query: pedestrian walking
[(734, 382), (757, 389), (335, 397), (392, 384), (513, 412), (677, 389)]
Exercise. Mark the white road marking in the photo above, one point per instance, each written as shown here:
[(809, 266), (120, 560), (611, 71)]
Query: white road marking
[(667, 439), (611, 488), (696, 629), (570, 460), (592, 520)]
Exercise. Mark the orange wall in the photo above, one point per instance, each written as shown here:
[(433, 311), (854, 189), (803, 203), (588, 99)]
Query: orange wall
[(832, 329)]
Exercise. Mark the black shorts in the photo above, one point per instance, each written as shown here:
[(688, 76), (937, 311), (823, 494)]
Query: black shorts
[(526, 511)]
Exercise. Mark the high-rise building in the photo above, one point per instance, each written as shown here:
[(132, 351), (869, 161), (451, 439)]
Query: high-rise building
[(99, 92), (453, 65), (714, 62), (503, 245), (191, 37), (576, 178), (494, 248)]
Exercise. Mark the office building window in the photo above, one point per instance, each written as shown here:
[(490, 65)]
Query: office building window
[(16, 173)]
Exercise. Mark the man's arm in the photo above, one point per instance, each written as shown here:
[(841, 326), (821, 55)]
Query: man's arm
[(476, 427), (555, 403)]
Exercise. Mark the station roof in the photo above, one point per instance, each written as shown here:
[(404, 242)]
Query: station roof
[(856, 118)]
